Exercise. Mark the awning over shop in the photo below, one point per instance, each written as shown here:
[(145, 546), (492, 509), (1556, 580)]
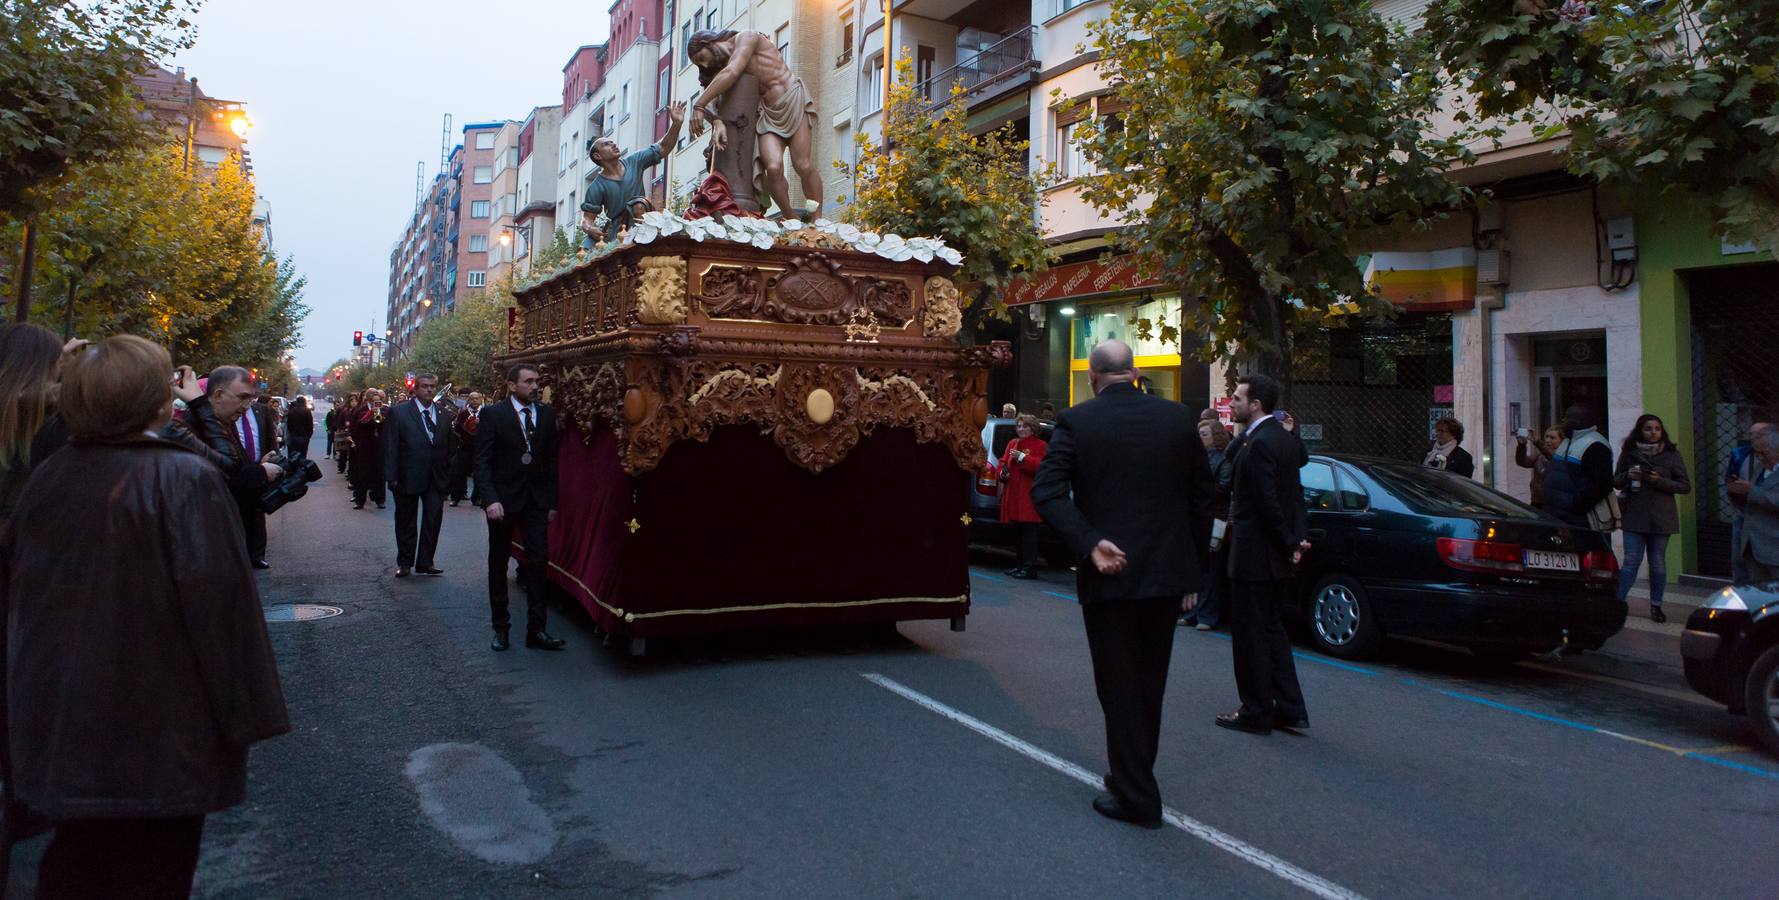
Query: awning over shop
[(1430, 280), (1079, 279)]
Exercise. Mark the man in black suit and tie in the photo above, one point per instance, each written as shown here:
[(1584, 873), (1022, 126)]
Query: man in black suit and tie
[(1139, 520), (228, 420), (516, 484), (1268, 534), (417, 447)]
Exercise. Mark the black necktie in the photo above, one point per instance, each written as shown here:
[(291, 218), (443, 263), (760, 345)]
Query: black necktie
[(530, 432), (429, 426)]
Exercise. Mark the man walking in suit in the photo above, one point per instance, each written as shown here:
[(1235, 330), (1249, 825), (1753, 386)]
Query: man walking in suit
[(1268, 533), (464, 426), (417, 446), (1139, 520), (516, 485)]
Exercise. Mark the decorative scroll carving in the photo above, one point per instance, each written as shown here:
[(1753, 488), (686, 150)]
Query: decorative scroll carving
[(944, 311), (811, 291), (587, 397), (728, 292), (661, 291)]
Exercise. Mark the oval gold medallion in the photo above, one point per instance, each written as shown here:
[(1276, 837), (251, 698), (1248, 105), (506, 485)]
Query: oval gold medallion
[(819, 406)]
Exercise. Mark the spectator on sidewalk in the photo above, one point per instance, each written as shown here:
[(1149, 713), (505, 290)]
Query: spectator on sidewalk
[(1650, 473), (1019, 466), (299, 423), (231, 423), (1536, 455), (1744, 465), (1446, 454), (1757, 544), (1047, 414), (1579, 478), (1009, 411), (30, 358), (134, 697), (1221, 458)]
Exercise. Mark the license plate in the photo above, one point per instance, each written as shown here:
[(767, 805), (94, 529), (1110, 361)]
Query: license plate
[(1545, 559)]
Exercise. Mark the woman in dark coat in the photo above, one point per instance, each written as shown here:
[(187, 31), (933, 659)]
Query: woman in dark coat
[(134, 690), (1019, 466), (1650, 473)]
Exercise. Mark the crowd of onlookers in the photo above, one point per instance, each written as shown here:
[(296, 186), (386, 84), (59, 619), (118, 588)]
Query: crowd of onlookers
[(137, 665), (1575, 477)]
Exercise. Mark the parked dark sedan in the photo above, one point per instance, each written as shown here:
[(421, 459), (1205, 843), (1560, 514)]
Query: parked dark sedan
[(1731, 653), (1400, 549)]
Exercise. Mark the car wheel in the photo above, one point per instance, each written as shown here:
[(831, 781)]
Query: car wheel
[(1763, 699), (1340, 620)]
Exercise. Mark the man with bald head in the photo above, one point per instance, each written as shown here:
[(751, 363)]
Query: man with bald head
[(1126, 483)]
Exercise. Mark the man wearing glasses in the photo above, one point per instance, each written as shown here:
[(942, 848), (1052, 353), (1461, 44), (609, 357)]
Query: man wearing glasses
[(231, 423)]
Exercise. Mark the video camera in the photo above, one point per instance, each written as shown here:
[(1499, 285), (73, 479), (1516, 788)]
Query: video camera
[(299, 471)]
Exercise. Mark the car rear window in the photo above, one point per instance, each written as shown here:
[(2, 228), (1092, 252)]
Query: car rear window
[(1441, 493)]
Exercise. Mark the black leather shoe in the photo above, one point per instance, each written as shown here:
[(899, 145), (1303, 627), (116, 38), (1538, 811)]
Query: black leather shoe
[(1656, 615), (430, 570), (401, 571), (1291, 723), (541, 640), (261, 564), (500, 639), (1113, 808), (1235, 721)]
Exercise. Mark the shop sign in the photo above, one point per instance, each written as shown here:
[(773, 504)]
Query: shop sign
[(1224, 406), (1442, 393), (1433, 417), (1078, 279)]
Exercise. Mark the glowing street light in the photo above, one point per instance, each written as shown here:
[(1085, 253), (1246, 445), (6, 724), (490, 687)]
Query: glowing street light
[(506, 239), (239, 124)]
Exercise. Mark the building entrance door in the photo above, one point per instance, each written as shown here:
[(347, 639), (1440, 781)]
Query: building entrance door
[(1567, 372)]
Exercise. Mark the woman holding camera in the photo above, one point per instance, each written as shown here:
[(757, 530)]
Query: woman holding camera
[(1536, 455), (1650, 473), (1019, 467), (134, 689)]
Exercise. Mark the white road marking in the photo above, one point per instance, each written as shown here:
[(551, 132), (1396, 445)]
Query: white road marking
[(1249, 853)]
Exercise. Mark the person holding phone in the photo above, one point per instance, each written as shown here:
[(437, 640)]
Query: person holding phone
[(1650, 473), (1019, 466), (1536, 455)]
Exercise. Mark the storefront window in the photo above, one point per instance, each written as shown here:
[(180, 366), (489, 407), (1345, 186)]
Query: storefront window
[(1137, 322)]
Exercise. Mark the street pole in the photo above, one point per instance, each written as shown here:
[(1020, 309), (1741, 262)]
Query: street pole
[(191, 126), (27, 270)]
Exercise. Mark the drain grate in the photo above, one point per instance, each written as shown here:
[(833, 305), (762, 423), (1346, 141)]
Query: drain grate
[(300, 612)]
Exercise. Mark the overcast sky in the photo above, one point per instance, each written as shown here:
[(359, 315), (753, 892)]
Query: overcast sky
[(346, 97)]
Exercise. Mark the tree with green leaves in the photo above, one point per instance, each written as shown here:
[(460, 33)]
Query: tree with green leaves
[(1679, 96), (460, 348), (66, 70), (931, 177), (1261, 137)]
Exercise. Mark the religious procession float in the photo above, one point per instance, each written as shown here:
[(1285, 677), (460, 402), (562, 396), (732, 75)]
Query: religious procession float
[(765, 423)]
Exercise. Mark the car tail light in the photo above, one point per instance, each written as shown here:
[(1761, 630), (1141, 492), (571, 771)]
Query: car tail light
[(1481, 556), (988, 482), (1599, 565)]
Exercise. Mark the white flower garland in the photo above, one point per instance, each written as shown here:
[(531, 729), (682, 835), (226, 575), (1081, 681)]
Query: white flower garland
[(763, 234)]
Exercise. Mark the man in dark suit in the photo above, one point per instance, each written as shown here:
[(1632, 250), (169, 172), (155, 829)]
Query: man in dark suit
[(228, 420), (1268, 534), (516, 485), (417, 445), (1139, 520)]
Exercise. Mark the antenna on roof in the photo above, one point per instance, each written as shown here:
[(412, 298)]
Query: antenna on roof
[(445, 143)]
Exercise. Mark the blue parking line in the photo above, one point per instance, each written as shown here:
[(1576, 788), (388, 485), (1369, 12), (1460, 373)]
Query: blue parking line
[(1310, 657), (1068, 597), (975, 574), (1732, 764), (1495, 704)]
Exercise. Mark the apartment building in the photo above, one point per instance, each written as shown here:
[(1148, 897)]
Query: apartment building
[(497, 235), (610, 90), (535, 220), (442, 253), (215, 128)]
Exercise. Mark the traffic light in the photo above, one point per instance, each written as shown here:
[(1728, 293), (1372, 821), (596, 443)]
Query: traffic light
[(410, 383), (357, 338)]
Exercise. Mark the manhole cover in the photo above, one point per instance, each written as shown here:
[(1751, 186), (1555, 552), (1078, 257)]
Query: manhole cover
[(300, 612)]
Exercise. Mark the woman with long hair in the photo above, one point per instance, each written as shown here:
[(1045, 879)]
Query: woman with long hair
[(29, 358), (1536, 455), (1019, 467), (1650, 473)]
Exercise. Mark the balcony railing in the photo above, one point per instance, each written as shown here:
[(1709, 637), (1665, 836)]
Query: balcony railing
[(1004, 62)]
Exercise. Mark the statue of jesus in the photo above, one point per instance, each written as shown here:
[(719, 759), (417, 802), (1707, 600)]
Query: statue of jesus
[(787, 111)]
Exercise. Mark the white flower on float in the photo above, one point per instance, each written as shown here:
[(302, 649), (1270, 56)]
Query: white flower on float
[(763, 241)]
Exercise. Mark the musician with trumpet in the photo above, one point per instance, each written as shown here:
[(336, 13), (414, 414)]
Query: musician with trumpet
[(366, 468)]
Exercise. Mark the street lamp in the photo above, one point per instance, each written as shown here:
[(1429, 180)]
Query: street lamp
[(239, 124)]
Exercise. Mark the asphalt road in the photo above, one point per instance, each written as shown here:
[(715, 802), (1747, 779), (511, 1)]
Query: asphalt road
[(938, 764)]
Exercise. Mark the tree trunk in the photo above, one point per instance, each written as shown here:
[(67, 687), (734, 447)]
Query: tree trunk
[(27, 270), (966, 336), (68, 312), (1272, 355)]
